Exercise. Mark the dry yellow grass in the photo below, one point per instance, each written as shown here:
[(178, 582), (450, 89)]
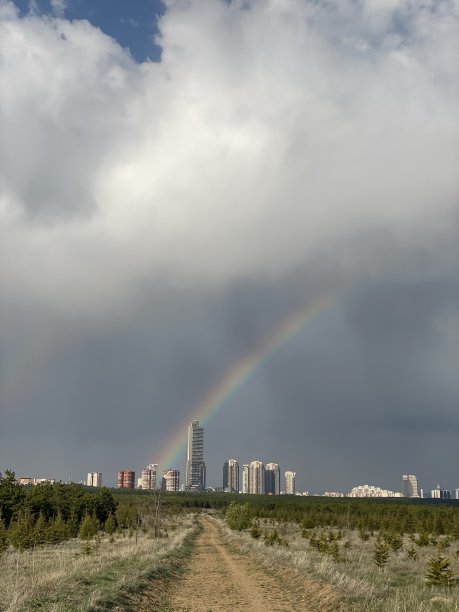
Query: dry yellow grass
[(63, 577), (398, 587)]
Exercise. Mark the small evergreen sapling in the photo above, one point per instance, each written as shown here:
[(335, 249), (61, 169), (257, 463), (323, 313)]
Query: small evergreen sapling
[(380, 554), (439, 571)]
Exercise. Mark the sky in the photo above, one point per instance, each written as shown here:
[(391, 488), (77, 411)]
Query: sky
[(177, 180)]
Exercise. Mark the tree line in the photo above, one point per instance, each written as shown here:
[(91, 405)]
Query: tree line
[(52, 513), (401, 515)]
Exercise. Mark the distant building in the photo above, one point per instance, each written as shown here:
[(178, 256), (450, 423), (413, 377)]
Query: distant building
[(290, 483), (25, 480), (171, 480), (148, 480), (333, 494), (272, 479), (231, 476), (195, 468), (410, 485), (440, 493), (126, 479), (245, 478), (372, 491), (94, 479), (457, 493), (256, 478)]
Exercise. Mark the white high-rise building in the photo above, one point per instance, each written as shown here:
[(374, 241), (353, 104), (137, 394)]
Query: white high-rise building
[(245, 478), (231, 476), (272, 479), (148, 480), (290, 483), (94, 479), (256, 478), (171, 480), (410, 485), (195, 468)]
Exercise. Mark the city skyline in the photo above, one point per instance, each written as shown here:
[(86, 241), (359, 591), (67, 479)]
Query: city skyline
[(254, 478)]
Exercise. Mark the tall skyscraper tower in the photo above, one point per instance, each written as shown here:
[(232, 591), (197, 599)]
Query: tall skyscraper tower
[(245, 478), (231, 476), (256, 477), (272, 479), (290, 483), (410, 485), (195, 468)]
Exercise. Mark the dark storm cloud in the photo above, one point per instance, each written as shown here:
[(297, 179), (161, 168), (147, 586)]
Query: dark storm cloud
[(161, 220)]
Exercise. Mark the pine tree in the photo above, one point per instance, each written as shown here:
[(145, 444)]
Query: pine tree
[(40, 534), (439, 571), (3, 535), (21, 531), (89, 527), (58, 530), (380, 554), (110, 524)]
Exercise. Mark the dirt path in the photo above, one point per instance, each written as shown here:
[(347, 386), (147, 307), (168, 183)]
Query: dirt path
[(220, 579)]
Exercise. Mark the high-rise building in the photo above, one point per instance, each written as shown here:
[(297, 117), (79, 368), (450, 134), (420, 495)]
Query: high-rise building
[(290, 483), (410, 485), (256, 478), (126, 479), (195, 468), (245, 478), (94, 479), (171, 480), (149, 476), (272, 479), (231, 476), (440, 493)]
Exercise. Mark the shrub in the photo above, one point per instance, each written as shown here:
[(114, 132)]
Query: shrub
[(238, 516), (364, 535), (255, 532), (439, 571), (380, 554), (423, 539), (272, 537), (334, 552), (411, 553)]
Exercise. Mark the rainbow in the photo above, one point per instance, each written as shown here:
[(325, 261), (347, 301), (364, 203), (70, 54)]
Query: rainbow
[(237, 375)]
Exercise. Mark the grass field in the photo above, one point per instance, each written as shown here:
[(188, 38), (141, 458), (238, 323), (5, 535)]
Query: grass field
[(98, 575), (399, 586)]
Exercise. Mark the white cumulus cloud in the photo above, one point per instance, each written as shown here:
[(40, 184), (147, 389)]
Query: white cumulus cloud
[(268, 132)]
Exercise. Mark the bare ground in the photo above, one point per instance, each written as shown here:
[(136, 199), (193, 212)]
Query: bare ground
[(219, 578)]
